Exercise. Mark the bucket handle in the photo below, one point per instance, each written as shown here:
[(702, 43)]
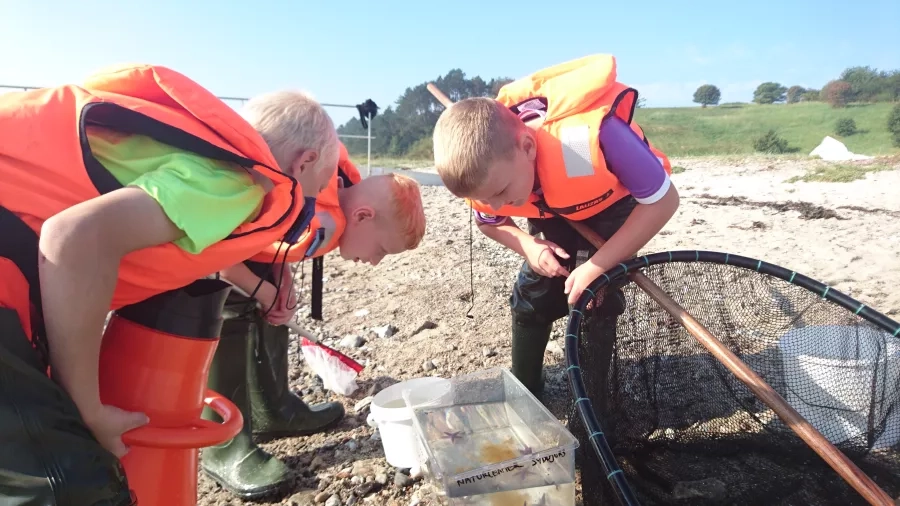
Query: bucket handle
[(198, 434)]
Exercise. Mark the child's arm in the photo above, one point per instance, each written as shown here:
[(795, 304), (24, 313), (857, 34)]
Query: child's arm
[(80, 251), (277, 314), (242, 277), (639, 170), (538, 252)]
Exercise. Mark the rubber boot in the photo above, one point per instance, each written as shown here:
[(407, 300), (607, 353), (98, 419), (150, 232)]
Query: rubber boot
[(277, 411), (240, 466), (528, 345)]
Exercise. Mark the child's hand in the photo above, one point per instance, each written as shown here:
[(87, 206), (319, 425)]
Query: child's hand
[(108, 423), (581, 278), (539, 255), (266, 297)]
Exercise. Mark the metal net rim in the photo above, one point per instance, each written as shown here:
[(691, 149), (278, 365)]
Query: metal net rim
[(597, 439)]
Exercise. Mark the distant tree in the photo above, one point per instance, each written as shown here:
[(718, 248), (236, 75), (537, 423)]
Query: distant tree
[(866, 83), (707, 94), (811, 95), (641, 103), (795, 94), (892, 86), (769, 93), (893, 124), (837, 93)]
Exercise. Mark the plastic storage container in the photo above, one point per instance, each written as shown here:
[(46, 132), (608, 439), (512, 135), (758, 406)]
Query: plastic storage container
[(491, 442)]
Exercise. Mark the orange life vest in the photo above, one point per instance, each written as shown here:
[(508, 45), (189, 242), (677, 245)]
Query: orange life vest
[(46, 165), (573, 98), (327, 225)]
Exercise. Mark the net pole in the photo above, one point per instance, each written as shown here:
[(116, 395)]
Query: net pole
[(834, 457)]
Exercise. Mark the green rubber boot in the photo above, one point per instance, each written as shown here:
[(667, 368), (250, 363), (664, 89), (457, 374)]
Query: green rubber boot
[(240, 466), (528, 345), (277, 411)]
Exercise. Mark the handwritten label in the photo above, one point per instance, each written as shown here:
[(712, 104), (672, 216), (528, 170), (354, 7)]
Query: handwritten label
[(488, 475), (546, 459)]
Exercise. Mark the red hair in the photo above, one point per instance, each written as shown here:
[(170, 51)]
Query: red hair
[(408, 210)]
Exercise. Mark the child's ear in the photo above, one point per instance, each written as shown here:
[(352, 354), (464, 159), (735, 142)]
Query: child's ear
[(305, 159), (528, 144), (363, 213)]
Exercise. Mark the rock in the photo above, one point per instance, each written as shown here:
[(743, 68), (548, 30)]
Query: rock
[(361, 469), (381, 478), (366, 488), (334, 500), (401, 480), (555, 349), (317, 463), (304, 498), (356, 480), (321, 497), (344, 474), (352, 341), (488, 352), (451, 347), (363, 404), (425, 326), (361, 313), (351, 445), (428, 366), (436, 362), (710, 488), (385, 331), (376, 436)]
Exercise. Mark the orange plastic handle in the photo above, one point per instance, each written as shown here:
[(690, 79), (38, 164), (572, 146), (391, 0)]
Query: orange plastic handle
[(199, 434)]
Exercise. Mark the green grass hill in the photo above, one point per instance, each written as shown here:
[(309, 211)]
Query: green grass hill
[(730, 129)]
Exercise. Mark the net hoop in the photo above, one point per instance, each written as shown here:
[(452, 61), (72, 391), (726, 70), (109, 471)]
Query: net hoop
[(597, 438)]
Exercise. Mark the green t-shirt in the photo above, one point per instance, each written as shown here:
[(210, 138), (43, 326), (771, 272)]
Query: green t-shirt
[(207, 199)]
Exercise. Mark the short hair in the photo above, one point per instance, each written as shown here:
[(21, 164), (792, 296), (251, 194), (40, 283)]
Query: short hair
[(293, 121), (468, 137), (408, 211)]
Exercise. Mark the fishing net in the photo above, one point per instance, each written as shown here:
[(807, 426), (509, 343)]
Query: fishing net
[(662, 421)]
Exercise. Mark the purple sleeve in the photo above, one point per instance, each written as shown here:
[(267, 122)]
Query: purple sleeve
[(631, 160), (488, 219)]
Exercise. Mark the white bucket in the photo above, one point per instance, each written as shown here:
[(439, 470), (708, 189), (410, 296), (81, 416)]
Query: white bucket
[(838, 376), (393, 418)]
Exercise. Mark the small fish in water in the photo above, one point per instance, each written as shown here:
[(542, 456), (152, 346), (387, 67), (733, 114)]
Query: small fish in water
[(453, 436)]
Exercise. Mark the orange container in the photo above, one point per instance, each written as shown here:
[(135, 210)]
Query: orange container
[(155, 359)]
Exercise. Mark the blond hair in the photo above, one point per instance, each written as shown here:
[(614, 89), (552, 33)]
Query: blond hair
[(470, 136), (291, 122), (409, 214)]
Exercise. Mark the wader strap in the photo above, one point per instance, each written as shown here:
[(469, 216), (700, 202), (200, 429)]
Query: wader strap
[(20, 244)]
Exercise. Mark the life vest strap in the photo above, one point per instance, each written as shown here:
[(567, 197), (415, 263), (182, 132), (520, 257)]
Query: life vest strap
[(19, 244), (318, 273)]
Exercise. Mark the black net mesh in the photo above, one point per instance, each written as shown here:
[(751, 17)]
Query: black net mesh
[(685, 430)]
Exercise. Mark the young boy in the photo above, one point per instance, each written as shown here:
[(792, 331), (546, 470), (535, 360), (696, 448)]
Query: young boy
[(366, 219), (558, 143), (137, 182)]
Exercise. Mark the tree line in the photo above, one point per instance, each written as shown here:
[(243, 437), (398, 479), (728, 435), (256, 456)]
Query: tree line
[(404, 129), (855, 84)]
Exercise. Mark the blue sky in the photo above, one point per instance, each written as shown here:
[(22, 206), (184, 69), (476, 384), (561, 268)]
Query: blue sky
[(345, 51)]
